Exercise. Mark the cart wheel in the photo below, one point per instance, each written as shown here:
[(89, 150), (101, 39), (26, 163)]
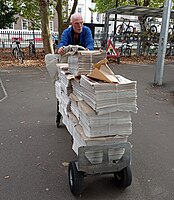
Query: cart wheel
[(58, 123), (76, 179), (123, 178), (58, 118)]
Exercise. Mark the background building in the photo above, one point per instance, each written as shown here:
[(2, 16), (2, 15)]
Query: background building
[(82, 7)]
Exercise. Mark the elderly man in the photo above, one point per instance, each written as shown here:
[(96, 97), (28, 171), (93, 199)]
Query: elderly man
[(76, 34)]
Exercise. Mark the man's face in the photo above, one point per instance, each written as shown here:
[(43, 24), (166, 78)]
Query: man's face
[(77, 25)]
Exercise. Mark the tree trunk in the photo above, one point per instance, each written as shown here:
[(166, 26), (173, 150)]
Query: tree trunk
[(61, 24), (46, 35), (59, 15), (146, 2)]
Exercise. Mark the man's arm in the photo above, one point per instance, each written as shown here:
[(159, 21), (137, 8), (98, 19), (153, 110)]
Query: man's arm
[(89, 41), (64, 41)]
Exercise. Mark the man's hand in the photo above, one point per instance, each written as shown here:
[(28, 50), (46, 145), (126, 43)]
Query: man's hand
[(61, 50)]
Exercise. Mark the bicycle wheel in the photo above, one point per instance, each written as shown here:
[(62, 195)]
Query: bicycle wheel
[(168, 51), (153, 29), (130, 29), (20, 56), (119, 30), (170, 31), (15, 52), (153, 50), (120, 51), (127, 52), (32, 51)]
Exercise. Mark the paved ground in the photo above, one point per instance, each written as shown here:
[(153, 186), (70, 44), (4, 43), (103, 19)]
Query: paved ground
[(34, 153)]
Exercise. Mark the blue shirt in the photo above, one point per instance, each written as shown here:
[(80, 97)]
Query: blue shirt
[(85, 41)]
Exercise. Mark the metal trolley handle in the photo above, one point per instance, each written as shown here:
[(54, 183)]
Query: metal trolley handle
[(73, 48)]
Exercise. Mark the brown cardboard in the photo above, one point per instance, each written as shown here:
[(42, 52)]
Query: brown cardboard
[(101, 71), (101, 62)]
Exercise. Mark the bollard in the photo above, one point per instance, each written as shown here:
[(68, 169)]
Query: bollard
[(118, 60), (3, 44)]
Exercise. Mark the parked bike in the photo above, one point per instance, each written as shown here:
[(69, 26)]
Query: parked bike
[(125, 49), (16, 50), (149, 25), (170, 49), (124, 27), (152, 49), (31, 48)]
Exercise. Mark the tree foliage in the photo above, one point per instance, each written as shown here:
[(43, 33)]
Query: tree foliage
[(64, 14), (103, 5), (38, 13), (29, 10), (7, 13)]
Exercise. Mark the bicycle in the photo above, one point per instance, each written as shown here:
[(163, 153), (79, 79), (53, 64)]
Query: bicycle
[(152, 28), (16, 51), (31, 48), (152, 48), (148, 25), (125, 49), (171, 29), (124, 28), (170, 49)]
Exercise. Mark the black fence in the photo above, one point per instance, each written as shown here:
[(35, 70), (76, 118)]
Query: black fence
[(8, 36)]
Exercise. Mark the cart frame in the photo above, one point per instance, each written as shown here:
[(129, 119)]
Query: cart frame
[(83, 164), (121, 168)]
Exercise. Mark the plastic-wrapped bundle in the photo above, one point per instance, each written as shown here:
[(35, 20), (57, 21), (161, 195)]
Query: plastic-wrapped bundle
[(81, 62)]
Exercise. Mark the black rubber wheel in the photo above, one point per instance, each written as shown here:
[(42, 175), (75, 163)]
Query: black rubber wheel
[(153, 29), (127, 52), (14, 52), (119, 30), (120, 51), (20, 57), (58, 119), (57, 124), (76, 179), (170, 31), (32, 50), (130, 29), (168, 50), (123, 178), (153, 50)]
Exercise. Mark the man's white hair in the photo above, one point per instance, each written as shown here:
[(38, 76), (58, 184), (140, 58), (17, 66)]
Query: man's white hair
[(75, 16)]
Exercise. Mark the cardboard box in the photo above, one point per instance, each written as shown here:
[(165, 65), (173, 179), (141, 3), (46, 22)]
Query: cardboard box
[(101, 71)]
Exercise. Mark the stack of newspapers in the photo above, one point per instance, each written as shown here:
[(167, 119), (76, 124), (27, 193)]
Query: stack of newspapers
[(95, 112), (82, 62), (109, 97)]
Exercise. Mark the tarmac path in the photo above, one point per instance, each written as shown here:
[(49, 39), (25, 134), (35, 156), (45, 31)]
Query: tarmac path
[(34, 154)]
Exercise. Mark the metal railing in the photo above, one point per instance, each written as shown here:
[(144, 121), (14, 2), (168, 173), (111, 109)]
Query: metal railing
[(7, 36)]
